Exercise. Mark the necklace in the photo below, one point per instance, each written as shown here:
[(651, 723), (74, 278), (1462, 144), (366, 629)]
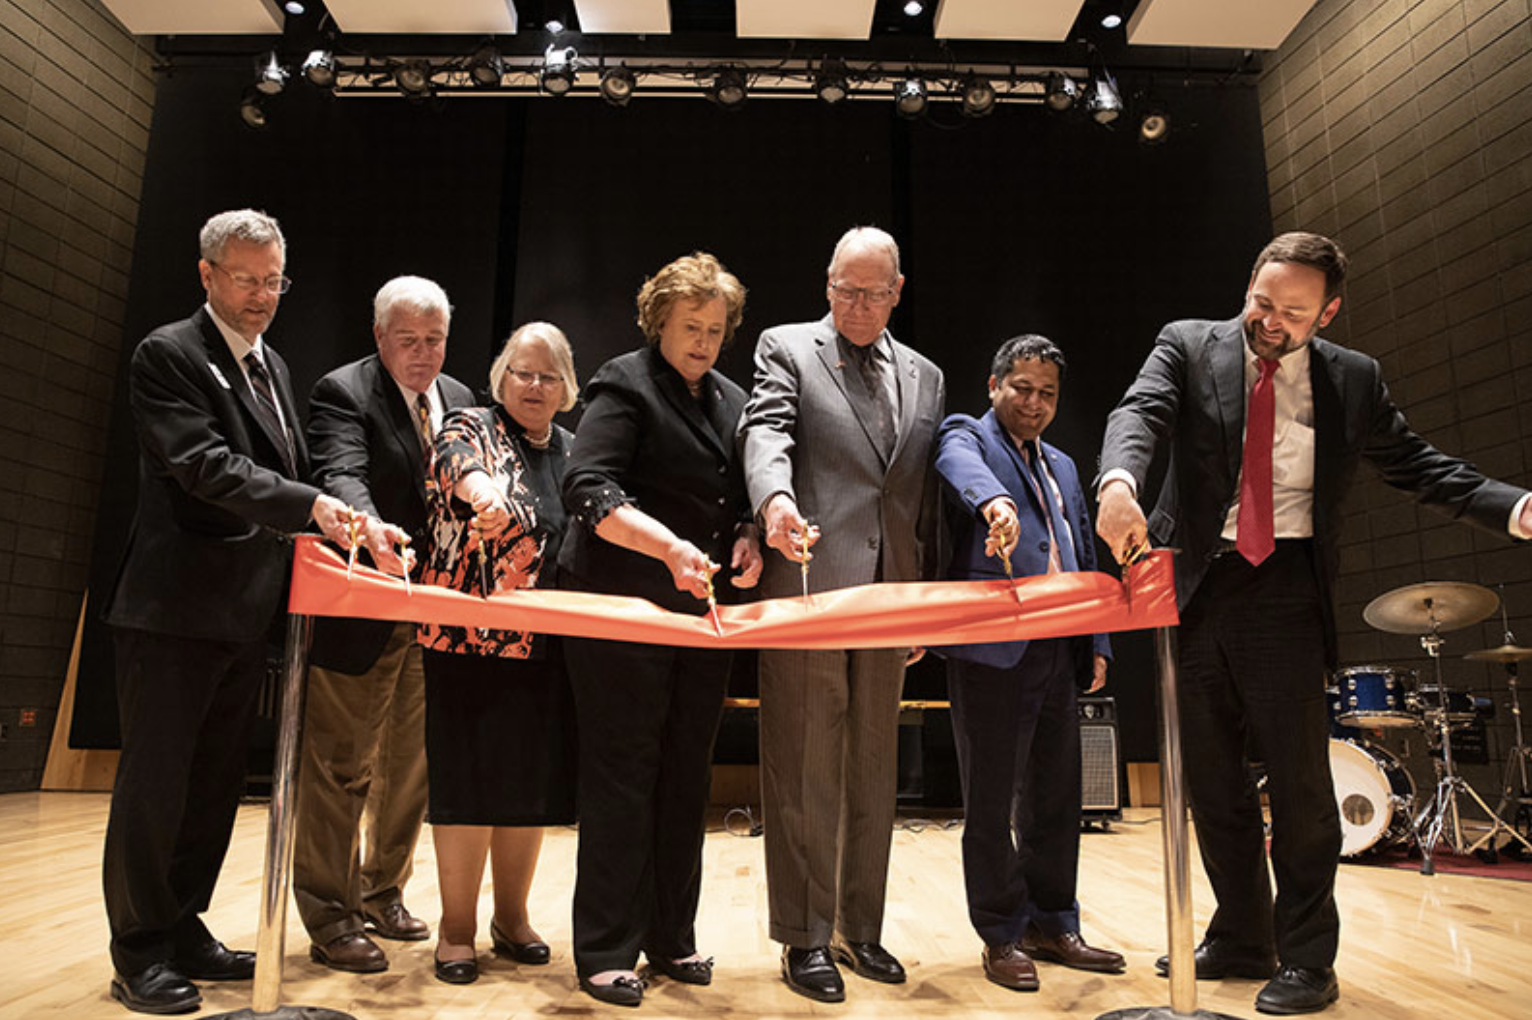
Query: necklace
[(540, 442)]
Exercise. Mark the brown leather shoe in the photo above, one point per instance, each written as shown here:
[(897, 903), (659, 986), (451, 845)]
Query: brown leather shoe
[(395, 922), (352, 951), (1007, 966), (1070, 949)]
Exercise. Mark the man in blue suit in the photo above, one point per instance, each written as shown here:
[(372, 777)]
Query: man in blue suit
[(1011, 498)]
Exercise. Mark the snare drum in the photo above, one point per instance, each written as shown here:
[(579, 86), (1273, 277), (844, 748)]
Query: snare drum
[(1462, 708), (1376, 697), (1375, 796)]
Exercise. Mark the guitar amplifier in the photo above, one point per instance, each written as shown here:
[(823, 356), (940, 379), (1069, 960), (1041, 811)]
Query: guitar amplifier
[(1100, 762)]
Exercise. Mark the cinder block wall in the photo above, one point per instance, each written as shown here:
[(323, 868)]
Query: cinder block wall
[(1404, 130), (75, 96)]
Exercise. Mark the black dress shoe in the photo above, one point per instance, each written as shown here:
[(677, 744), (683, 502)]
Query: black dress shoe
[(690, 972), (620, 991), (533, 953), (395, 922), (158, 988), (1218, 958), (868, 960), (811, 972), (457, 972), (214, 961), (1298, 990)]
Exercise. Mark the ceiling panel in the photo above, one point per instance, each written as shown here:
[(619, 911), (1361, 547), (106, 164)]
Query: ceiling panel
[(803, 19), (624, 17), (1238, 24), (197, 17), (1042, 20), (471, 17)]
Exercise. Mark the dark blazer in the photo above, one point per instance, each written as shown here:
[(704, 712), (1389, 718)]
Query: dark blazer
[(210, 545), (1189, 401), (366, 450), (644, 440), (977, 462)]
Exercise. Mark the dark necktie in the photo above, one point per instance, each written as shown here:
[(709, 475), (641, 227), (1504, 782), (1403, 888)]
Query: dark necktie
[(1061, 552), (266, 408), (882, 408), (423, 422), (1255, 529)]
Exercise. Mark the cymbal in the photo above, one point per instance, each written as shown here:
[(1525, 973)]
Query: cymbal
[(1414, 608), (1505, 653)]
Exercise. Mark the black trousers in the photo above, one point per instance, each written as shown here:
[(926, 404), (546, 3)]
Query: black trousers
[(1017, 732), (648, 716), (1252, 682), (186, 706)]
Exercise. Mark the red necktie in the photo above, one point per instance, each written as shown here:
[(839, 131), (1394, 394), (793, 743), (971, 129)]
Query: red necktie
[(1255, 534)]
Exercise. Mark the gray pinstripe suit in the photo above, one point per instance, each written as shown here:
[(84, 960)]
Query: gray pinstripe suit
[(829, 720)]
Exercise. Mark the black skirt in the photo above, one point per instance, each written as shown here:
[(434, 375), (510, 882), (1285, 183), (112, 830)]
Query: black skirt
[(500, 739)]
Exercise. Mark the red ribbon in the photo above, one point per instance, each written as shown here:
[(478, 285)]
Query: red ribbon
[(926, 613)]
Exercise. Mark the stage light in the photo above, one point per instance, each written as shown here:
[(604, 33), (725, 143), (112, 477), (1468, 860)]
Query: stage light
[(252, 112), (294, 8), (1111, 20), (558, 73), (910, 97), (830, 82), (270, 75), (728, 89), (1063, 92), (914, 8), (978, 97), (617, 85), (1154, 126), (486, 67), (413, 78), (554, 26), (319, 69), (1103, 100)]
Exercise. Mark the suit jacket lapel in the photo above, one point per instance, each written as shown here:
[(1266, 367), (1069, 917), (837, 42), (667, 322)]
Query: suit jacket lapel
[(1014, 466), (1329, 427), (282, 384), (673, 388), (1227, 360), (828, 349), (907, 379), (400, 418), (233, 374)]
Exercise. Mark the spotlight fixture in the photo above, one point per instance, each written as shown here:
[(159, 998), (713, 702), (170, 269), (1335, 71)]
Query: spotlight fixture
[(910, 97), (617, 85), (1063, 92), (413, 78), (319, 69), (486, 67), (1103, 100), (270, 75), (252, 112), (978, 97), (728, 89), (554, 26), (294, 8), (1154, 126), (1111, 20), (830, 82), (558, 74), (914, 8)]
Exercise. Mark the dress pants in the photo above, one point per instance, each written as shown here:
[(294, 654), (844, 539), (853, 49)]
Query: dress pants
[(1017, 732), (185, 707), (1252, 679), (648, 716), (829, 764), (361, 788)]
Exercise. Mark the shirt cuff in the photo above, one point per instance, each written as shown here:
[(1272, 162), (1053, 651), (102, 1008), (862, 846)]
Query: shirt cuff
[(1117, 475), (1517, 531)]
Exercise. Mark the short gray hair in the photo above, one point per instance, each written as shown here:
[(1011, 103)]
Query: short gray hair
[(859, 239), (248, 225), (414, 294), (558, 346)]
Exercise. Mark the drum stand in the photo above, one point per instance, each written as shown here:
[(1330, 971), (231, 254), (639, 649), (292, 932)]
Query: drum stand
[(1515, 790)]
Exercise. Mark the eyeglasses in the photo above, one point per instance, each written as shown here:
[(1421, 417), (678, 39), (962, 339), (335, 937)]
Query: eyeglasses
[(875, 296), (528, 378), (244, 281)]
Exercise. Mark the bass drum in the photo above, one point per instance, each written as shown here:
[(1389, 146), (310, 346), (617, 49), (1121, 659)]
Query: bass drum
[(1375, 795)]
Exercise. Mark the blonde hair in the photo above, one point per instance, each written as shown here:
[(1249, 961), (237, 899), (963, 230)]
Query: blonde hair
[(558, 347), (695, 277)]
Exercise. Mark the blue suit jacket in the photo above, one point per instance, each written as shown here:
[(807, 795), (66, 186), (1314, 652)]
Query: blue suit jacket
[(978, 461)]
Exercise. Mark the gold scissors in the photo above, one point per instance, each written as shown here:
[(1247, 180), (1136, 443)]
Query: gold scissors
[(354, 533), (712, 601)]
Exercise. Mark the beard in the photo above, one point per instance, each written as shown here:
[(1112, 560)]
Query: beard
[(1272, 350)]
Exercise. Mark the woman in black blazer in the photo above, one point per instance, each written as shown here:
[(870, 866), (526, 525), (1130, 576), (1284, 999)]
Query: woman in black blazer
[(657, 505)]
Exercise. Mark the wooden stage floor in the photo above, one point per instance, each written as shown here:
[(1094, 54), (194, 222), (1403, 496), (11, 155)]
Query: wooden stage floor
[(1411, 946)]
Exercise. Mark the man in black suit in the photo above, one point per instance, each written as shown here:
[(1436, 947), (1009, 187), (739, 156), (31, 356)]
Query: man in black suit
[(1014, 506), (363, 765), (200, 587), (1256, 521)]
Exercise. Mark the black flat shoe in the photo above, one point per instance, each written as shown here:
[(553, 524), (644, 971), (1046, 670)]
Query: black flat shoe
[(533, 953), (690, 972), (811, 973), (623, 991), (158, 988), (457, 972)]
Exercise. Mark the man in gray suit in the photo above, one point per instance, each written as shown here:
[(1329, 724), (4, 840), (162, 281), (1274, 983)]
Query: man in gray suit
[(837, 441)]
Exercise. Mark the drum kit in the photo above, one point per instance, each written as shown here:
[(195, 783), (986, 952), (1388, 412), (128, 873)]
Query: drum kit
[(1375, 794)]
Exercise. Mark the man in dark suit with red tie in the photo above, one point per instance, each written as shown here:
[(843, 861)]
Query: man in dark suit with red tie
[(1014, 506), (363, 760), (1265, 424), (221, 487)]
